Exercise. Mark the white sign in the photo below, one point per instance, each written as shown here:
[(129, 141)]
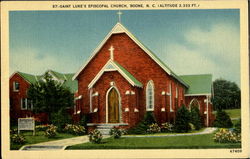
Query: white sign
[(26, 124)]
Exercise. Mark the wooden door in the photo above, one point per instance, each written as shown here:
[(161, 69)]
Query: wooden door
[(113, 106)]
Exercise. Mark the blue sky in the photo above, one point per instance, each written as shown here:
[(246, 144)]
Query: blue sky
[(188, 41)]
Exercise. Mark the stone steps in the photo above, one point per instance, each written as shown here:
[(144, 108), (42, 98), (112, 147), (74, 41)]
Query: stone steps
[(105, 128)]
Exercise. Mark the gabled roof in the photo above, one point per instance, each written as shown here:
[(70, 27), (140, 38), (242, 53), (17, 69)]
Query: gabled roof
[(65, 78), (28, 77), (119, 28), (198, 84), (114, 66)]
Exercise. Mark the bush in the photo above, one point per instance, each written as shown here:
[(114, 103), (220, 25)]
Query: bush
[(95, 136), (195, 117), (222, 120), (143, 126), (226, 136), (51, 131), (167, 127), (154, 128), (237, 127), (60, 119), (116, 133), (182, 120), (41, 127), (17, 139), (13, 131), (192, 127), (84, 120), (74, 129)]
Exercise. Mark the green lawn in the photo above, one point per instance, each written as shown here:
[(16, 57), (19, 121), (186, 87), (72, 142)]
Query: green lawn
[(39, 137), (178, 142), (234, 113)]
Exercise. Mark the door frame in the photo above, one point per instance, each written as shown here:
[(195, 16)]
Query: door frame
[(119, 106)]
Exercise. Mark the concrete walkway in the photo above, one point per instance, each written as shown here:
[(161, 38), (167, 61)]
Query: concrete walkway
[(208, 130), (58, 144)]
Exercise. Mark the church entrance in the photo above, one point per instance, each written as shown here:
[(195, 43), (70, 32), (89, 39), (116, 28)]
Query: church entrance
[(113, 106)]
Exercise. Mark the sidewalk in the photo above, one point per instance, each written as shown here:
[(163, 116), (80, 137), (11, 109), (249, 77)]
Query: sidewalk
[(208, 130), (57, 144)]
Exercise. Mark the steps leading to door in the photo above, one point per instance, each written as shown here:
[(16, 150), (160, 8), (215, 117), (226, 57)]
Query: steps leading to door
[(105, 128)]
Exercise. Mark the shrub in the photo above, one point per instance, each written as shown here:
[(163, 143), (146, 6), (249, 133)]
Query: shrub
[(17, 139), (51, 131), (116, 133), (84, 120), (60, 119), (154, 128), (167, 127), (195, 117), (192, 127), (143, 126), (237, 127), (226, 136), (13, 131), (95, 136), (41, 127), (182, 120), (222, 120), (74, 129)]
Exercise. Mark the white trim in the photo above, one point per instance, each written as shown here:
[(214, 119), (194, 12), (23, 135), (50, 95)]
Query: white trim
[(193, 101), (19, 75), (132, 93), (127, 92), (136, 110), (14, 86), (110, 62), (90, 100), (25, 101), (150, 83), (120, 106), (170, 98), (163, 93), (197, 94), (126, 110), (121, 29), (95, 94), (163, 110), (176, 92)]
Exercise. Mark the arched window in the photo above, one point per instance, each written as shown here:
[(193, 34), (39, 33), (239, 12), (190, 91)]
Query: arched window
[(194, 103), (150, 96)]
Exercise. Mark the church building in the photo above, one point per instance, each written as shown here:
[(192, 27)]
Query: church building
[(123, 79)]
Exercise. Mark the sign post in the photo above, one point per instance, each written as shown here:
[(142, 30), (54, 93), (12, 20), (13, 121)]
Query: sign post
[(26, 124)]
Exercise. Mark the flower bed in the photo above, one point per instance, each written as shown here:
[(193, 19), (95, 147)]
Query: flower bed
[(226, 136)]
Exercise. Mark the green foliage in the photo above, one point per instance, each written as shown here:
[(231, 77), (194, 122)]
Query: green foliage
[(17, 139), (115, 133), (143, 126), (226, 95), (60, 119), (154, 128), (195, 117), (226, 136), (13, 131), (222, 120), (182, 120), (74, 129), (95, 136), (237, 127), (41, 127), (51, 131), (167, 127), (84, 120), (49, 96)]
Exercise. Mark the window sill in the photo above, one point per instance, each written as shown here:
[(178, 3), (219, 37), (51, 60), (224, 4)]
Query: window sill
[(149, 110)]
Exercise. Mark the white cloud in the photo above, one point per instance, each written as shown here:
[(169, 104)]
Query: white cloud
[(213, 51)]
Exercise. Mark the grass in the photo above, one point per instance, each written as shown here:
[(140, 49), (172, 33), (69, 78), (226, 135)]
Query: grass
[(39, 137), (177, 142), (233, 113)]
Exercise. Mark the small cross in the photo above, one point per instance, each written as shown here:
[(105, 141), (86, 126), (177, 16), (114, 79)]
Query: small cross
[(119, 16), (111, 49)]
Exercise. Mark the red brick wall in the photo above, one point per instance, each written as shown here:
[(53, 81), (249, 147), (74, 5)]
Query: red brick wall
[(15, 97), (203, 108), (139, 64)]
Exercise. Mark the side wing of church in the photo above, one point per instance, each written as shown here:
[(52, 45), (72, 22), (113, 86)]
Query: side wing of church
[(123, 79)]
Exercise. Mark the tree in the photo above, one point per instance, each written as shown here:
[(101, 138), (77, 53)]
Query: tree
[(195, 117), (222, 120), (50, 96), (226, 94), (182, 120)]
